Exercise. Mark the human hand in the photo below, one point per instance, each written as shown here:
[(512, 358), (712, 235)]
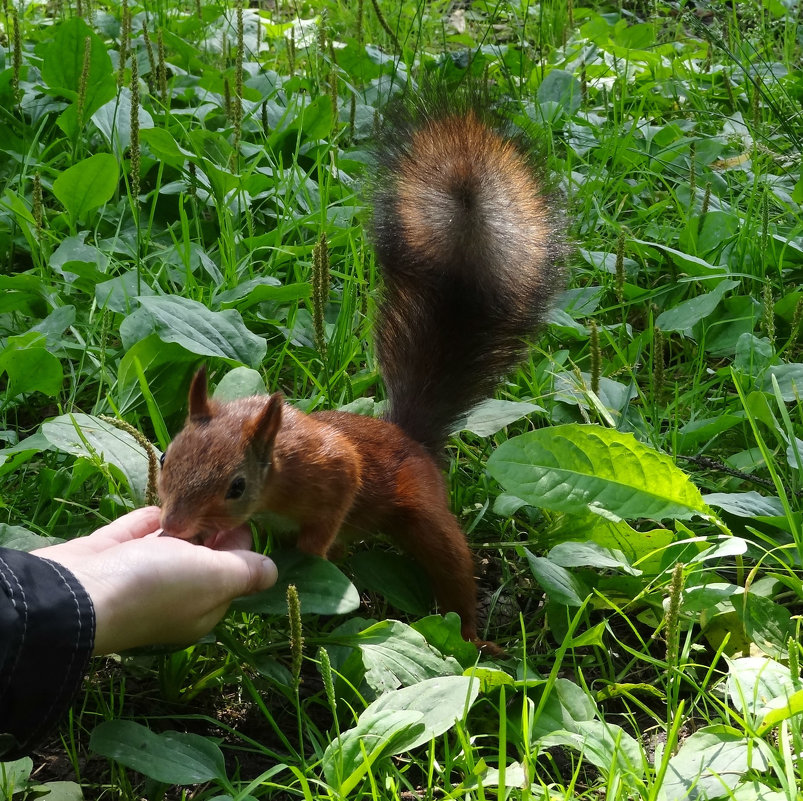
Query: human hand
[(150, 590)]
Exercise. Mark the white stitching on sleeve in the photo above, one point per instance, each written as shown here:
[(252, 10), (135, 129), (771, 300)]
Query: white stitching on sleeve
[(21, 605), (67, 673)]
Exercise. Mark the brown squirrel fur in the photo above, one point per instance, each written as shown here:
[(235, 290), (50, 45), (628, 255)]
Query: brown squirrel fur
[(468, 245)]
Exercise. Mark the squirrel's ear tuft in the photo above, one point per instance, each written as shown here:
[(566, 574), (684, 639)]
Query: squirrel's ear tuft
[(261, 429), (199, 402)]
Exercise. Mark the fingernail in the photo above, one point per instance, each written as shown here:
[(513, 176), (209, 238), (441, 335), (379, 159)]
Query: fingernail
[(269, 573)]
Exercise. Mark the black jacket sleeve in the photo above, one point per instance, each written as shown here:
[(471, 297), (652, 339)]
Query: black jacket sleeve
[(47, 632)]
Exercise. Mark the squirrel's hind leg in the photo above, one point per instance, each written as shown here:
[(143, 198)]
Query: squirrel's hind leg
[(433, 537)]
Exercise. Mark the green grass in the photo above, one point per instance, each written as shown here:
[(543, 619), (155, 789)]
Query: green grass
[(647, 646)]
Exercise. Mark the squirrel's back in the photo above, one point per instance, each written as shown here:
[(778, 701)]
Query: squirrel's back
[(469, 243)]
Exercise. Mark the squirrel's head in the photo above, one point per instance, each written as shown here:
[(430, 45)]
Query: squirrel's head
[(214, 470)]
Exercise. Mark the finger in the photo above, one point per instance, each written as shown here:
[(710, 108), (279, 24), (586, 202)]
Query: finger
[(244, 573), (235, 539), (131, 526)]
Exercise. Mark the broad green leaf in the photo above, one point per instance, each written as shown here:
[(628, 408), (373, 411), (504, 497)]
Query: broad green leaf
[(21, 539), (357, 63), (24, 218), (399, 721), (442, 701), (119, 293), (691, 434), (241, 382), (30, 367), (184, 53), (322, 588), (607, 262), (782, 709), (640, 36), (757, 684), (188, 323), (506, 505), (443, 632), (767, 623), (348, 758), (23, 285), (563, 89), (577, 704), (689, 264), (170, 758), (575, 468), (92, 438), (167, 368), (582, 301), (716, 229), (745, 504), (794, 454), (165, 148), (367, 407), (734, 317), (642, 547), (688, 313), (753, 354), (73, 252), (493, 415), (605, 745), (273, 669), (722, 548), (756, 791), (561, 586), (396, 577), (575, 389), (515, 777), (710, 763), (63, 63), (789, 378), (262, 290), (113, 119), (14, 775), (395, 655), (88, 184), (593, 636), (590, 554), (723, 629), (490, 678), (54, 325), (313, 122), (697, 599), (59, 791)]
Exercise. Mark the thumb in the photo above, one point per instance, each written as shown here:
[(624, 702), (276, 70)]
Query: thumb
[(260, 572)]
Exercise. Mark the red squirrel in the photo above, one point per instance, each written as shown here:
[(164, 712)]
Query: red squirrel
[(469, 247)]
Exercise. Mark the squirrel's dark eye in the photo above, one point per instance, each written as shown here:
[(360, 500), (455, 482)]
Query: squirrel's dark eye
[(236, 489), (162, 459)]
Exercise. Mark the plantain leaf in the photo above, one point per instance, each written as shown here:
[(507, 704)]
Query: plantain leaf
[(492, 415), (88, 184), (322, 588), (398, 721), (30, 367), (172, 758), (562, 586), (574, 468), (63, 64), (395, 655), (711, 761), (689, 312), (89, 437), (192, 325)]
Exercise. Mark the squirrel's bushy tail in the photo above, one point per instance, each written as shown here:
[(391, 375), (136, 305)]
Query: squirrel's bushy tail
[(469, 246)]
